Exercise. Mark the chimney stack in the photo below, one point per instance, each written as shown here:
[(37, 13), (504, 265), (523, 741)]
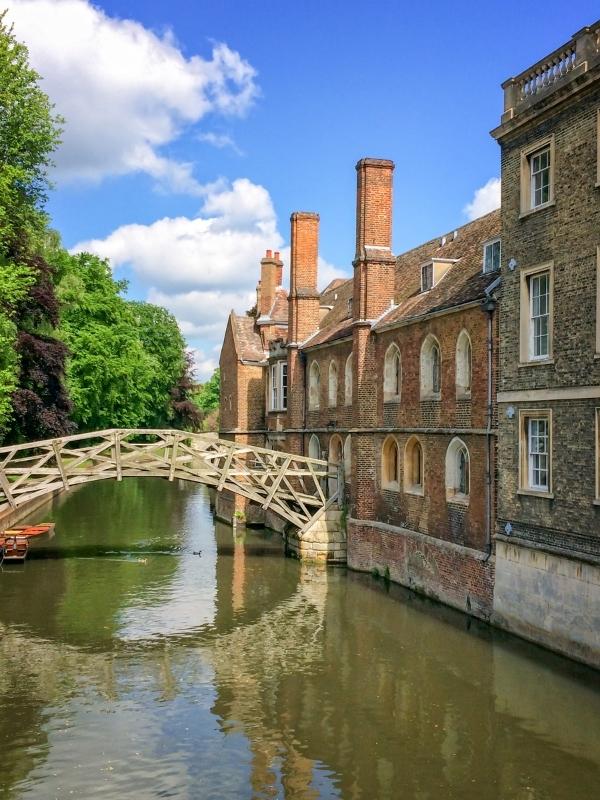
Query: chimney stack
[(304, 296), (271, 268), (374, 264)]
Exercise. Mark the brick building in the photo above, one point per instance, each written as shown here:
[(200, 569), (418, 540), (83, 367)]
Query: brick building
[(548, 529), (390, 373), (458, 383)]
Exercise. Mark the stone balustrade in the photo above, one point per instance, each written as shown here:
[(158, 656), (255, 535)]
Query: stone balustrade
[(574, 58)]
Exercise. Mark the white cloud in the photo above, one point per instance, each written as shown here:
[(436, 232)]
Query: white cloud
[(485, 199), (220, 140), (203, 365), (217, 250), (200, 268), (125, 91)]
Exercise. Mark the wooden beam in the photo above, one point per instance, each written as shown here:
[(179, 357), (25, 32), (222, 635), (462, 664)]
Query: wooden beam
[(4, 483), (56, 446), (173, 458)]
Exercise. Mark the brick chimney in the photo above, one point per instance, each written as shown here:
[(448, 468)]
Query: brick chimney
[(374, 279), (304, 295), (374, 263), (303, 317), (271, 268)]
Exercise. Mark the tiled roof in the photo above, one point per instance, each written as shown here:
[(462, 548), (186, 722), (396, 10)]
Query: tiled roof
[(279, 309), (248, 344), (464, 282), (331, 333)]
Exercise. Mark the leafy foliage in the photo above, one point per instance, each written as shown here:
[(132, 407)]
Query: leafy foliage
[(127, 358)]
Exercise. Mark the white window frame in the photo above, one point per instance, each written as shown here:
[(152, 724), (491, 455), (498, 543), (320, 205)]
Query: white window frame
[(540, 176), (528, 172), (527, 324), (278, 386), (486, 246), (528, 465)]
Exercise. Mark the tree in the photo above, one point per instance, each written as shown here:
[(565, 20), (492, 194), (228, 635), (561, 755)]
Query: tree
[(32, 390), (208, 396), (29, 134)]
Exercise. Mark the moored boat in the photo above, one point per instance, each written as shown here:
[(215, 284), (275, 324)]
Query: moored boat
[(30, 531), (14, 548)]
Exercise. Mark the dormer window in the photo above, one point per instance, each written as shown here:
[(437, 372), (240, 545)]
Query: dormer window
[(491, 255), (426, 277)]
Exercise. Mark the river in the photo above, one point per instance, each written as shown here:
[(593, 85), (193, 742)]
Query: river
[(149, 652)]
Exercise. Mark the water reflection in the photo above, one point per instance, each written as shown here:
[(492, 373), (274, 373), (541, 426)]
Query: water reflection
[(132, 667)]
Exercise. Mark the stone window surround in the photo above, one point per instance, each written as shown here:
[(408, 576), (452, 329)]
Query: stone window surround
[(525, 194), (391, 379), (524, 488), (409, 486), (525, 358), (348, 379), (463, 392), (452, 469), (390, 466), (314, 386), (332, 384), (426, 367)]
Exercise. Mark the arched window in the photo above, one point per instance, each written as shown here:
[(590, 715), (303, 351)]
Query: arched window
[(431, 369), (333, 383), (413, 467), (348, 381), (390, 465), (314, 447), (392, 375), (348, 458), (314, 386), (336, 457), (463, 365), (458, 477)]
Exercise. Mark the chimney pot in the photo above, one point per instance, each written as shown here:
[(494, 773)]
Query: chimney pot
[(269, 254)]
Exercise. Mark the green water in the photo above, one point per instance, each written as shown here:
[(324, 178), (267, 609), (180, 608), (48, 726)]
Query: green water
[(132, 668)]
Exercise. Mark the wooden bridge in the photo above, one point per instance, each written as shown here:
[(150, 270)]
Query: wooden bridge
[(294, 487)]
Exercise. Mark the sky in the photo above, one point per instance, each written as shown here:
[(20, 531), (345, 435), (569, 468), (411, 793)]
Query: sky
[(194, 129)]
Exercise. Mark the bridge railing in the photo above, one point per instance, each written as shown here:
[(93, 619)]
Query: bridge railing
[(293, 486)]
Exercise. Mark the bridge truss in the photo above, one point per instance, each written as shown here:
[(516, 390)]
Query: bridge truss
[(294, 487)]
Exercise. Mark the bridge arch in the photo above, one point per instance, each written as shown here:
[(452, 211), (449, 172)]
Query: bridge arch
[(290, 485)]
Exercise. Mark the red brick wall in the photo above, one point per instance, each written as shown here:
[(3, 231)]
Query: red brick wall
[(451, 574)]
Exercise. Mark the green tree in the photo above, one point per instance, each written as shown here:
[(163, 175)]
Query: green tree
[(208, 396), (109, 373), (29, 134), (32, 393)]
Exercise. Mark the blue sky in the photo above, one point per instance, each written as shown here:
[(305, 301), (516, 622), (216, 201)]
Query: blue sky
[(195, 128)]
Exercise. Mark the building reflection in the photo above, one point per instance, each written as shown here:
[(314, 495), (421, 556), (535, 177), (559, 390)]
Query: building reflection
[(392, 697), (339, 685)]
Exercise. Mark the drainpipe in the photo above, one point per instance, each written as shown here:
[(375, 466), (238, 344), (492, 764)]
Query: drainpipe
[(489, 305)]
